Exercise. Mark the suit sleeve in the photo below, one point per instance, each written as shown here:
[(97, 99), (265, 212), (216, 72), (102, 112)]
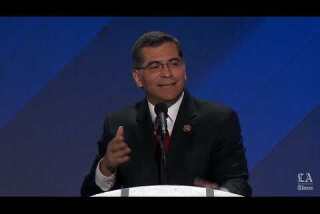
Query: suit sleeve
[(228, 159), (89, 186)]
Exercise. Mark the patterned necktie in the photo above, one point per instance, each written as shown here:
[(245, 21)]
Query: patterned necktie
[(167, 138)]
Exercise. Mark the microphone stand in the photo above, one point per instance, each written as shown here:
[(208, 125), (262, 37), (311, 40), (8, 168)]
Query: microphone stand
[(163, 161)]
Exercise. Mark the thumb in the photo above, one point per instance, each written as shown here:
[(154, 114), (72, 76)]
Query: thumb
[(120, 132)]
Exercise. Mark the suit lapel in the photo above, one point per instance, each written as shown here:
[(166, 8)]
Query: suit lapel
[(180, 135), (145, 146), (145, 127)]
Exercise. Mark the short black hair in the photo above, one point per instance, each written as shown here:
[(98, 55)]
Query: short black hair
[(152, 39)]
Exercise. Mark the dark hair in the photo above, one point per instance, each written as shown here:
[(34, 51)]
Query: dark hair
[(151, 39)]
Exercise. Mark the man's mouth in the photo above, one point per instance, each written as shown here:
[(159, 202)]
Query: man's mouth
[(167, 84)]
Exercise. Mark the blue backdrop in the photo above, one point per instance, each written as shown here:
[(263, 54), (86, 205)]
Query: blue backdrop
[(59, 76)]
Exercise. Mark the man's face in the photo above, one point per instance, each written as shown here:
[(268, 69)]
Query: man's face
[(163, 75)]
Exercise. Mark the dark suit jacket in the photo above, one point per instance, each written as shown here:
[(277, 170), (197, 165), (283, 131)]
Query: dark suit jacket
[(212, 150)]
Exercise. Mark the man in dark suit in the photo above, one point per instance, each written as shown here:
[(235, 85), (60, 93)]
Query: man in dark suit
[(206, 146)]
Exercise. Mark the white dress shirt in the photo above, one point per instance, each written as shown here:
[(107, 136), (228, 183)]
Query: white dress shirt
[(106, 182), (172, 113)]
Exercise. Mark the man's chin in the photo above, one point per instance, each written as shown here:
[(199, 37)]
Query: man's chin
[(168, 99)]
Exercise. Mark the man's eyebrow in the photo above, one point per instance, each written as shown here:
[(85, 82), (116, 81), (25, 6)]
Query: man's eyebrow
[(175, 58), (156, 61)]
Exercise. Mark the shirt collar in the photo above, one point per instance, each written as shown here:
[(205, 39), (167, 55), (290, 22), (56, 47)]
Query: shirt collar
[(172, 110)]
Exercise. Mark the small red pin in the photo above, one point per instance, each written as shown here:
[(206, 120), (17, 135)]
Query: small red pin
[(187, 128)]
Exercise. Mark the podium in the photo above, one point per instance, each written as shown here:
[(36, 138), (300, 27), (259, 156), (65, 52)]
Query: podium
[(167, 191)]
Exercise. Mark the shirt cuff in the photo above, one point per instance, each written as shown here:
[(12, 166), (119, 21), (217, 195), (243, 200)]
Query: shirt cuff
[(104, 182)]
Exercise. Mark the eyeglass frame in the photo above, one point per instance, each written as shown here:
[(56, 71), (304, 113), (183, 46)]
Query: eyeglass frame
[(169, 64)]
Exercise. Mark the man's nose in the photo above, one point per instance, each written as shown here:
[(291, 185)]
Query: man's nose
[(166, 70)]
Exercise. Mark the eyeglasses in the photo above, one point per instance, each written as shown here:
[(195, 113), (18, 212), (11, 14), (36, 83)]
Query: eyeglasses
[(157, 66)]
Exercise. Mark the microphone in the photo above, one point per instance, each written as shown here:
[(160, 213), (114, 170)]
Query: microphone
[(161, 110)]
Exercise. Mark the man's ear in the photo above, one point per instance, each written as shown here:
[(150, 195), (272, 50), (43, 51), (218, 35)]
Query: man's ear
[(137, 78)]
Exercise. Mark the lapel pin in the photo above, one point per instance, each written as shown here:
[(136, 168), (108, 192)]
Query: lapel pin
[(187, 128)]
